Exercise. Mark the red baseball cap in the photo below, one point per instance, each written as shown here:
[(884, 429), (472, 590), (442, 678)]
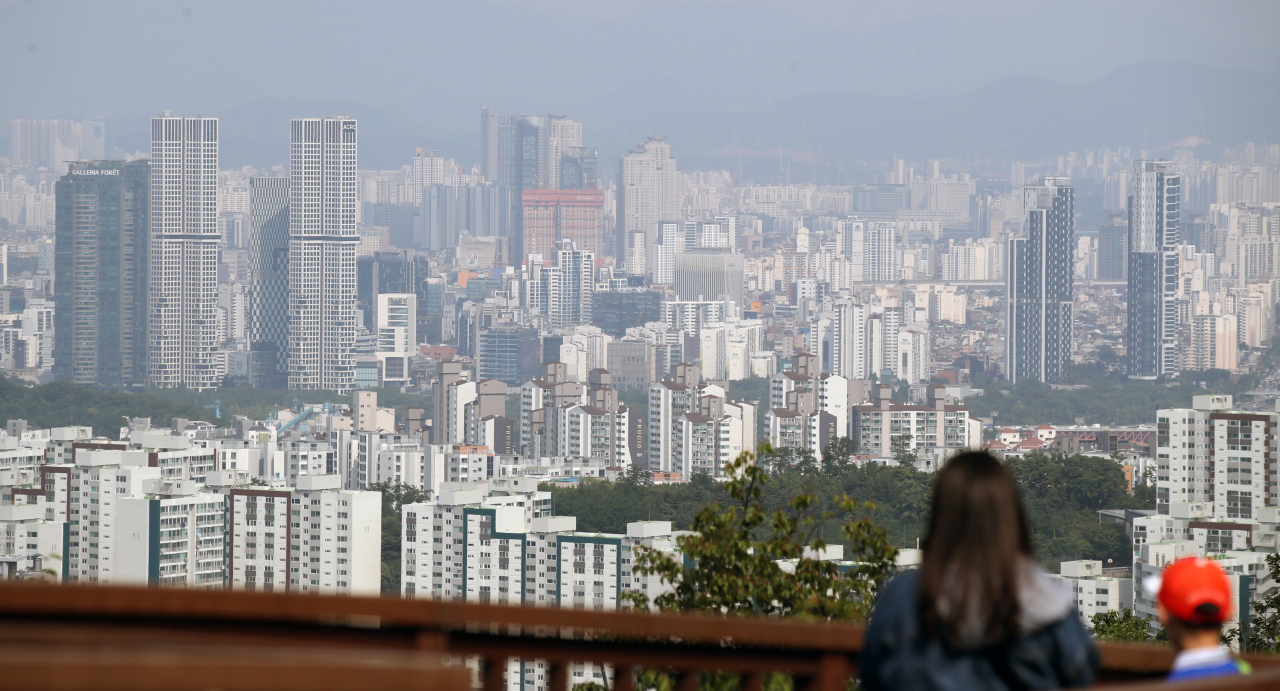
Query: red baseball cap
[(1192, 582)]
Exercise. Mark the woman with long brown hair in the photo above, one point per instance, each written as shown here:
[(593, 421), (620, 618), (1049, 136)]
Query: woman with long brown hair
[(979, 613)]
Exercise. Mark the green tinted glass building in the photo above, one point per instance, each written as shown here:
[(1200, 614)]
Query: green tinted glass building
[(100, 281)]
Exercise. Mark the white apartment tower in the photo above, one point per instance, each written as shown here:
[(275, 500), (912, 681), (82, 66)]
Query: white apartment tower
[(322, 253), (880, 253), (648, 192), (183, 289), (316, 538)]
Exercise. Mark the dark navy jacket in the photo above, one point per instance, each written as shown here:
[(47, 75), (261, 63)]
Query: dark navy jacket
[(897, 656)]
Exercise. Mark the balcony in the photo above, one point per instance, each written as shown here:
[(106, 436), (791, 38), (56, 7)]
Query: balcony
[(73, 637)]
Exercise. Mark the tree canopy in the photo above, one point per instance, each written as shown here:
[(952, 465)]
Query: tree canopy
[(1062, 494), (394, 496), (62, 404), (744, 559)]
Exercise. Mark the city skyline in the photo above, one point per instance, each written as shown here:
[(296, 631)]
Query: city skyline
[(293, 340)]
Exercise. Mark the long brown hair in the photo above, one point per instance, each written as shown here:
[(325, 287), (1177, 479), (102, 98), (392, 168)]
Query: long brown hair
[(976, 548)]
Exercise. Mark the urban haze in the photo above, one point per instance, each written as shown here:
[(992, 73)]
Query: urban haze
[(438, 266)]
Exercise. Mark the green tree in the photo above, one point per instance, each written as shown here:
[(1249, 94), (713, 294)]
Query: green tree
[(737, 555), (1121, 627), (61, 404), (839, 454), (394, 496), (1062, 494), (902, 451), (1263, 632), (636, 477)]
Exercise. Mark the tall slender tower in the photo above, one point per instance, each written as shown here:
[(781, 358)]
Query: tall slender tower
[(183, 290), (1154, 208), (1039, 284), (269, 282), (322, 253), (648, 192)]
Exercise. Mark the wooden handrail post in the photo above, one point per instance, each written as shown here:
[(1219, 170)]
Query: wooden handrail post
[(752, 682), (431, 639), (689, 680), (495, 673), (624, 678), (557, 676), (834, 673)]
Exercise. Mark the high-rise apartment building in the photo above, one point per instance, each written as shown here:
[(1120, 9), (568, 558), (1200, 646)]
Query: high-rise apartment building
[(100, 263), (564, 290), (322, 253), (183, 290), (497, 141), (55, 143), (1154, 208), (524, 153), (879, 252), (554, 215), (269, 282), (428, 169), (648, 192), (709, 275), (849, 339), (1039, 284), (397, 328), (1113, 251), (315, 538)]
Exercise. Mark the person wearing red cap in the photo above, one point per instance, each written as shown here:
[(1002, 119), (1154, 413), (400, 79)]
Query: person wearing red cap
[(1193, 599)]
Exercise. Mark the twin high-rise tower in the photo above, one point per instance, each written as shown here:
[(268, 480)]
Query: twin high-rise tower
[(322, 253), (1154, 211), (1039, 284), (303, 258), (138, 252), (183, 291)]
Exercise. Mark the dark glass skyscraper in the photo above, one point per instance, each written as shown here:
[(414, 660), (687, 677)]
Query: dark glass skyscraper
[(1113, 251), (1154, 211), (1039, 280), (100, 264)]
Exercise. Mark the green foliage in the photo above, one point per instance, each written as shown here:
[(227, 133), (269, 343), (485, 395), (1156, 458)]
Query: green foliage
[(839, 454), (734, 554), (1121, 627), (61, 404), (394, 495), (902, 451), (1263, 632), (900, 496), (258, 403), (754, 389), (1062, 495), (1106, 401)]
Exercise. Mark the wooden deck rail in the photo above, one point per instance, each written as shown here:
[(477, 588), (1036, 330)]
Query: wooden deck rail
[(822, 656)]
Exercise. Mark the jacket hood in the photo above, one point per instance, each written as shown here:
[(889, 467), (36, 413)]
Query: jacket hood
[(1042, 600)]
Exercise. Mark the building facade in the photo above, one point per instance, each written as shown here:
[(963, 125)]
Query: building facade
[(1154, 212), (648, 192), (1039, 285), (269, 282), (183, 266), (322, 253), (101, 254)]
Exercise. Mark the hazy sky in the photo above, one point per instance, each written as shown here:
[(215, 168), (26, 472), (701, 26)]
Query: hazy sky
[(828, 78), (1253, 22)]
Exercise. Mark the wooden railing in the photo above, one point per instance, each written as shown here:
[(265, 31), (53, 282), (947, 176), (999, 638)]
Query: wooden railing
[(406, 640)]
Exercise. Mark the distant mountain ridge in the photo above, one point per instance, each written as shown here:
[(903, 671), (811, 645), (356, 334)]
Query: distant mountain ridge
[(417, 73), (1148, 105)]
